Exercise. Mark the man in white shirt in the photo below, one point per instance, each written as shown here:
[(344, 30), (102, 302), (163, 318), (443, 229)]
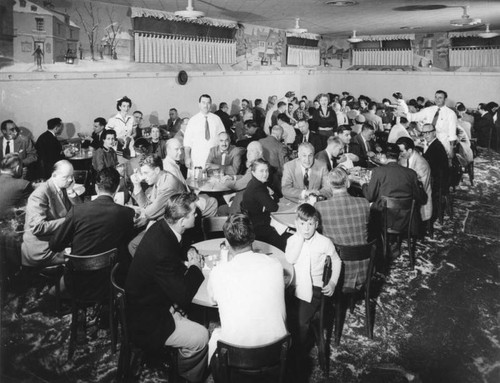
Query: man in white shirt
[(201, 134), (249, 291), (443, 118)]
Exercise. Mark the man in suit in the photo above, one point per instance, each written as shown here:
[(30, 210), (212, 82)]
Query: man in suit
[(97, 137), (274, 152), (224, 116), (305, 135), (161, 283), (13, 189), (344, 133), (495, 137), (437, 158), (225, 156), (362, 145), (95, 227), (396, 181), (174, 122), (304, 176), (344, 218), (331, 155), (45, 212), (49, 148), (12, 142), (372, 118), (483, 126), (412, 159)]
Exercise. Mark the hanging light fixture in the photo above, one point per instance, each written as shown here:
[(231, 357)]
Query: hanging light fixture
[(189, 12), (487, 34), (354, 39), (297, 28), (465, 20)]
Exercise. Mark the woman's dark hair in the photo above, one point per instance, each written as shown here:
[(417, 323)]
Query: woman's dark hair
[(121, 101)]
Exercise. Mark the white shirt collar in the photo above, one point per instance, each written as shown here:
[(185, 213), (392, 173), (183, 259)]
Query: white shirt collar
[(177, 235)]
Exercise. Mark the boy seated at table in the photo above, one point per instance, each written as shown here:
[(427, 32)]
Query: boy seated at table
[(307, 250)]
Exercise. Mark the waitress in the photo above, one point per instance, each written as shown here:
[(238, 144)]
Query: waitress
[(122, 124), (324, 117), (259, 201)]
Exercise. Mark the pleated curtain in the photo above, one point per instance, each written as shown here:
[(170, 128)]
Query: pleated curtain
[(305, 56), (153, 48), (394, 57), (475, 57)]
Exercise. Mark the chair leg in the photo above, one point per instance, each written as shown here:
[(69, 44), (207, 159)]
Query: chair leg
[(57, 288), (340, 314), (73, 331), (368, 315), (112, 327), (411, 251)]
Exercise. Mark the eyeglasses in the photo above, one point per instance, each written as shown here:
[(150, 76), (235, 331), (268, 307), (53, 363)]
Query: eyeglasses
[(429, 131)]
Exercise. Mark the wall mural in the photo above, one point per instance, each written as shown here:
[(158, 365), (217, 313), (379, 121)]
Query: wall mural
[(88, 36)]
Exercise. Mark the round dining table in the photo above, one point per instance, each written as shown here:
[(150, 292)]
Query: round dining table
[(286, 213), (211, 184), (211, 248)]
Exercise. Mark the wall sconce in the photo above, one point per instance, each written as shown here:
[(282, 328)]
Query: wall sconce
[(430, 64)]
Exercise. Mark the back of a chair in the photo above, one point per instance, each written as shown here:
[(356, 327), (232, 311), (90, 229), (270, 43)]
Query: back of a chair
[(91, 262), (252, 361), (119, 301), (358, 264), (212, 225), (80, 176), (397, 213), (88, 276)]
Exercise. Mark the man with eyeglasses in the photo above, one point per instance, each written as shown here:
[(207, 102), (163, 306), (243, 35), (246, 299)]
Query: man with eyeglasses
[(443, 118), (436, 156)]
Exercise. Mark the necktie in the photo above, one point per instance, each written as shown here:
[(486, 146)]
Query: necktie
[(305, 139), (346, 149), (306, 179), (207, 129), (7, 148), (436, 116), (64, 196), (223, 159)]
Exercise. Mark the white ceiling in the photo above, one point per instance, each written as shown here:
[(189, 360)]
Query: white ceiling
[(367, 17)]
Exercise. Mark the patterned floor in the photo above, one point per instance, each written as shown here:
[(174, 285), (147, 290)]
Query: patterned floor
[(439, 323)]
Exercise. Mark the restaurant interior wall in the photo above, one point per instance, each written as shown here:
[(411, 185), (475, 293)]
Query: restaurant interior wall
[(78, 98)]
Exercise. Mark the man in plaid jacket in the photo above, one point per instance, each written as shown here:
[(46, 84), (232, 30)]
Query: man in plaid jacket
[(345, 221)]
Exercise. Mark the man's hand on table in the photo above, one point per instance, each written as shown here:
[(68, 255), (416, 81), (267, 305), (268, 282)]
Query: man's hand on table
[(194, 258)]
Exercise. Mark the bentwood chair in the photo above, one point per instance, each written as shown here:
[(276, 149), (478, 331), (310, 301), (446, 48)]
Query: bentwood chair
[(211, 225), (398, 216), (355, 280), (237, 364), (81, 269), (130, 355)]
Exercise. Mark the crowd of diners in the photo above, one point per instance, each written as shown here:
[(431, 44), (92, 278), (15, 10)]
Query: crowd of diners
[(294, 150)]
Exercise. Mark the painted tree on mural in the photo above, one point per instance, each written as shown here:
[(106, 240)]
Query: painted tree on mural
[(89, 17), (112, 31)]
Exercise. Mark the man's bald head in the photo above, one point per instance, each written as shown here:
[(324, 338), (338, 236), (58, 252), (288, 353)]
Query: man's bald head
[(62, 174)]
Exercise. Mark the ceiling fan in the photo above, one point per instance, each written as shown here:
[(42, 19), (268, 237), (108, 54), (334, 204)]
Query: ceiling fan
[(465, 20), (297, 28), (189, 12), (487, 34), (354, 39)]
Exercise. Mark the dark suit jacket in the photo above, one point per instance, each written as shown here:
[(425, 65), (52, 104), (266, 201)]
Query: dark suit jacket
[(96, 140), (258, 203), (24, 147), (157, 279), (482, 127), (357, 147), (49, 151), (396, 181), (316, 140), (174, 126), (226, 121), (161, 148), (92, 228), (12, 192), (437, 158), (323, 157)]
